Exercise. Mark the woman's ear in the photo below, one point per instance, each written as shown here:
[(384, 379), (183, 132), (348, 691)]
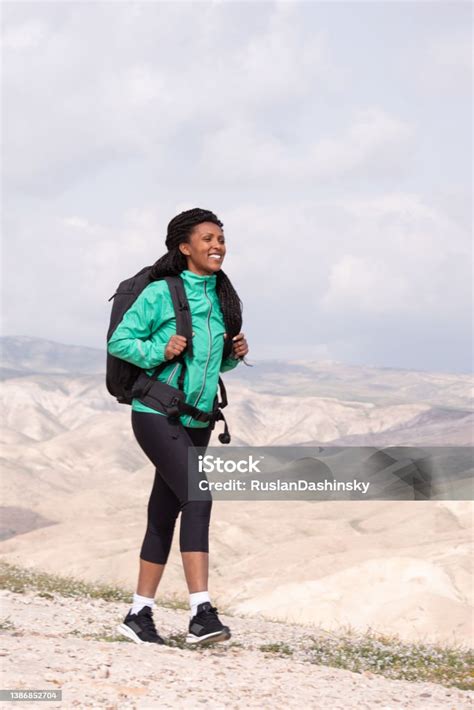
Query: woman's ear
[(184, 249)]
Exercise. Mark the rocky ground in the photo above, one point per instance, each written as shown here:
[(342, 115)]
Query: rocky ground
[(72, 644)]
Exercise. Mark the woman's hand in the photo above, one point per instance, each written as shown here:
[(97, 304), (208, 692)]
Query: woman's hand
[(240, 346), (176, 345)]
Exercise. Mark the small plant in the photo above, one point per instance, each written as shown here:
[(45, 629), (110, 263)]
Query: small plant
[(389, 656), (7, 625), (17, 579), (97, 637), (20, 580), (178, 641), (280, 648)]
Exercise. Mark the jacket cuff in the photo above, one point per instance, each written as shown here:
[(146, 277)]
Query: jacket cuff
[(158, 354), (229, 363)]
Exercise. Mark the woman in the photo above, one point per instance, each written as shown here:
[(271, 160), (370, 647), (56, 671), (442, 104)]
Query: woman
[(146, 337)]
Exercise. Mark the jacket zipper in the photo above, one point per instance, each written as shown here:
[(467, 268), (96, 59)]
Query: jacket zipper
[(209, 351), (172, 373)]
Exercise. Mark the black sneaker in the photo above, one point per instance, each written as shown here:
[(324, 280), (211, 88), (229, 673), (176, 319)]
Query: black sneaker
[(140, 627), (205, 626)]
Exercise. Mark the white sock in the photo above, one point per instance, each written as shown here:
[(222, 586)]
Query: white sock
[(197, 598), (139, 602)]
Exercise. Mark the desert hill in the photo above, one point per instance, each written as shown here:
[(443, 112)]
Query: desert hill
[(76, 485)]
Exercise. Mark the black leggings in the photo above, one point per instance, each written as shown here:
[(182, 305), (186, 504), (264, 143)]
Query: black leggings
[(166, 445)]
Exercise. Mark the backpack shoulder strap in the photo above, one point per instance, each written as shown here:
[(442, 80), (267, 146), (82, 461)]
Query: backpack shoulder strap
[(183, 320), (182, 311)]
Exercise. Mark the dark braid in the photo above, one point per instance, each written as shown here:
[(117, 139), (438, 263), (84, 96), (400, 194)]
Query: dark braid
[(173, 262)]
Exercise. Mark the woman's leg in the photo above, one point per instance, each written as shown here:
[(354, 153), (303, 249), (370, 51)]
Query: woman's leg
[(196, 564), (166, 445), (196, 570), (163, 509)]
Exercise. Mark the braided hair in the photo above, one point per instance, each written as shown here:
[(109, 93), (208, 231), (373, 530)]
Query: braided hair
[(174, 262)]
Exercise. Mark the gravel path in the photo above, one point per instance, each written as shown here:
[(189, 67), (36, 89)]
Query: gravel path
[(56, 643)]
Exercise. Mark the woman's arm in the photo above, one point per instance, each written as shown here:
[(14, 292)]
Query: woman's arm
[(131, 339)]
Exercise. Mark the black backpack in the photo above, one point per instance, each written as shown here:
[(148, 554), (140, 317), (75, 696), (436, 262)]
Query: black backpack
[(125, 381)]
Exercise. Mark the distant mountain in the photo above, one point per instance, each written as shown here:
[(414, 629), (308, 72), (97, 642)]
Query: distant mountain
[(272, 403), (362, 383), (22, 354)]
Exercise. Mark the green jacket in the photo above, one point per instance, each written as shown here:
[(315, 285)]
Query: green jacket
[(145, 329)]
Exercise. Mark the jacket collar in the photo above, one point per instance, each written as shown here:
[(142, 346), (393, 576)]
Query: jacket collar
[(193, 280)]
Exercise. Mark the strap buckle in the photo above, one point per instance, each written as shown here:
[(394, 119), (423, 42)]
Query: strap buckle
[(173, 411)]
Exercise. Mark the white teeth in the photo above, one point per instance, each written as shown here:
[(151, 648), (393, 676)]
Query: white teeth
[(215, 256)]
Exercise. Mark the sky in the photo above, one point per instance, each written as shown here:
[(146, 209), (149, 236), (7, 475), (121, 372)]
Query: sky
[(333, 140)]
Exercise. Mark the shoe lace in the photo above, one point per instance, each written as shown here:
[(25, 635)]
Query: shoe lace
[(148, 623), (211, 613)]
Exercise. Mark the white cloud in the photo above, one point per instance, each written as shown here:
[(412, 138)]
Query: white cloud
[(446, 63), (373, 142), (407, 258), (358, 284), (27, 35), (352, 258), (147, 74), (286, 61), (73, 267)]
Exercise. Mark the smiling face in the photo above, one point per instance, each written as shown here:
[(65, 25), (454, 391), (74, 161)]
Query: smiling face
[(205, 249)]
